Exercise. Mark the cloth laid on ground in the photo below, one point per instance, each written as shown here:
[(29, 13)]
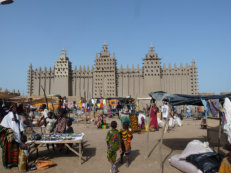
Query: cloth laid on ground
[(79, 112), (183, 165), (207, 162), (225, 166), (44, 164), (227, 122)]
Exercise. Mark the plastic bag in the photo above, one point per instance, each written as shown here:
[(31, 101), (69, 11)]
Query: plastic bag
[(195, 147), (208, 162), (178, 121), (171, 123)]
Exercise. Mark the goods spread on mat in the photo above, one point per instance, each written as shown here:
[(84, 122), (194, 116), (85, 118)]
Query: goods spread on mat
[(60, 137)]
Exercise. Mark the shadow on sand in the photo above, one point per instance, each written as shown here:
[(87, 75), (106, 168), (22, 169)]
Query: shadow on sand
[(132, 157), (43, 153)]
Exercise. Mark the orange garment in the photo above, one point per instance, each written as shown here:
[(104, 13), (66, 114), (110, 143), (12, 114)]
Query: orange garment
[(126, 136), (225, 166)]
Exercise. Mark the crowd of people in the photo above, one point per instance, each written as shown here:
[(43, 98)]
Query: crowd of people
[(13, 137), (14, 119)]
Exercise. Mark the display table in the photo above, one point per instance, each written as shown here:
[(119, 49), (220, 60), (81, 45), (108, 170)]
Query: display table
[(75, 138)]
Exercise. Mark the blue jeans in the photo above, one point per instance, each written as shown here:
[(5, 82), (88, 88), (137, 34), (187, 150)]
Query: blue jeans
[(188, 114)]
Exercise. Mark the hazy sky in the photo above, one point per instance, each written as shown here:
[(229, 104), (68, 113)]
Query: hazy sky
[(35, 31)]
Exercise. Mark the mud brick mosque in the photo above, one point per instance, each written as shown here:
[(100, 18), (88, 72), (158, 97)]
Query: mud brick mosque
[(105, 79)]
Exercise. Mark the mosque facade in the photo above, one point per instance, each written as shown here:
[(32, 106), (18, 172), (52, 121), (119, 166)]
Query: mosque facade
[(106, 80)]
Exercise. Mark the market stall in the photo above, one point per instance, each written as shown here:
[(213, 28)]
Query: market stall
[(182, 99), (75, 138)]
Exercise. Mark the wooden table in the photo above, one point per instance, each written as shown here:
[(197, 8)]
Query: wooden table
[(75, 140)]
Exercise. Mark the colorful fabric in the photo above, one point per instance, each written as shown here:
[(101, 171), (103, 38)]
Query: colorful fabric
[(126, 136), (153, 116), (114, 141), (225, 166), (61, 125), (125, 118), (109, 112), (134, 122), (9, 149), (17, 127), (213, 107), (111, 155), (22, 160), (104, 102), (101, 105)]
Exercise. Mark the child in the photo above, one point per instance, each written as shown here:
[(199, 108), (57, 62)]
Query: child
[(113, 140), (23, 154), (50, 125), (126, 136), (69, 128)]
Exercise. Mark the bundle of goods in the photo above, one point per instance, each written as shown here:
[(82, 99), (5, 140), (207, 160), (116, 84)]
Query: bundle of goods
[(134, 123), (196, 157), (60, 136)]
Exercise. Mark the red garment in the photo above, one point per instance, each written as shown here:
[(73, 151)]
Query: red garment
[(101, 105), (153, 116), (10, 150)]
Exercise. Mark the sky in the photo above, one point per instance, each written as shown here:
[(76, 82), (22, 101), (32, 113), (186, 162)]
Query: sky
[(36, 31)]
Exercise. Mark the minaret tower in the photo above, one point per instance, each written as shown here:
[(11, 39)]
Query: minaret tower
[(30, 81), (104, 79), (63, 73), (152, 72)]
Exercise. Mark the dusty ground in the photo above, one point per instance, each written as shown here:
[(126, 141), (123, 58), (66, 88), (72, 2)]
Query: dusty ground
[(95, 151)]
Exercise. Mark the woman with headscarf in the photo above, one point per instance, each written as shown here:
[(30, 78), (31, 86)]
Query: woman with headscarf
[(153, 115), (61, 125), (11, 129)]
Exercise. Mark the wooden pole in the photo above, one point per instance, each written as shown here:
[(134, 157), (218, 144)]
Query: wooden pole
[(45, 96), (147, 144), (161, 139)]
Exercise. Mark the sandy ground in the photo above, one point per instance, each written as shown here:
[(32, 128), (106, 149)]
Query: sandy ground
[(95, 151)]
